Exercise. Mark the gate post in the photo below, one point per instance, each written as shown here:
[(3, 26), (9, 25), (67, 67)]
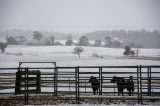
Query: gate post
[(138, 83), (149, 80), (100, 80), (18, 78), (77, 84), (55, 80), (26, 86)]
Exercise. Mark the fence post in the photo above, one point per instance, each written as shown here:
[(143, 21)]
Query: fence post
[(101, 80), (85, 86), (78, 85), (148, 68), (114, 84), (26, 86), (149, 80), (38, 82), (69, 84), (55, 80), (18, 81), (138, 83)]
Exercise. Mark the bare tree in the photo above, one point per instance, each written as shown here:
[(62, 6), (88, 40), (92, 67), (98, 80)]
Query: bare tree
[(78, 50)]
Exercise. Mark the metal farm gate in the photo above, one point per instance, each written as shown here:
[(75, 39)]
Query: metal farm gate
[(72, 83)]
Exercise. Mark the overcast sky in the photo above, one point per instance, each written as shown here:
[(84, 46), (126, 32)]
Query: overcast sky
[(79, 15)]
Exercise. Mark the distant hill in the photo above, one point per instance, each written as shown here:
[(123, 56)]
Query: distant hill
[(149, 39), (28, 34)]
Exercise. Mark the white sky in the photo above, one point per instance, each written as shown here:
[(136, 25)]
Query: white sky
[(77, 15)]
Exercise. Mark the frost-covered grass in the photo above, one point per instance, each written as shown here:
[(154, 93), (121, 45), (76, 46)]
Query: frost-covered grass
[(50, 99), (64, 57), (121, 104)]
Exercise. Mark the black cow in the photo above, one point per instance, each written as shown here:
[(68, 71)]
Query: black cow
[(95, 84), (120, 84)]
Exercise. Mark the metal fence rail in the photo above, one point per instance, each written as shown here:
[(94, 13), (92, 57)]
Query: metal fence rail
[(74, 81)]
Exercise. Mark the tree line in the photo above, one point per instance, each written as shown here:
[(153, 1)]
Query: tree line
[(51, 41), (40, 39), (133, 38)]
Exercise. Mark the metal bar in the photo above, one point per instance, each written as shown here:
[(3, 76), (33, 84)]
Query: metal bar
[(20, 63), (107, 66), (37, 62), (143, 66)]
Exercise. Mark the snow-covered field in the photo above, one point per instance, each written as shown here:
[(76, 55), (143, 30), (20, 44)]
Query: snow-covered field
[(64, 57)]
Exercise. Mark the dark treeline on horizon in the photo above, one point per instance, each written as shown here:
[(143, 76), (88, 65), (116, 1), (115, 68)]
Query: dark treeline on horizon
[(143, 38)]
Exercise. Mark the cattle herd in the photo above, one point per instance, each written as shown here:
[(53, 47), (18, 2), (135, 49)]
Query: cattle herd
[(121, 82)]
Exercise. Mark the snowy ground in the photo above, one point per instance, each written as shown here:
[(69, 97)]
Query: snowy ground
[(64, 57), (121, 104)]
